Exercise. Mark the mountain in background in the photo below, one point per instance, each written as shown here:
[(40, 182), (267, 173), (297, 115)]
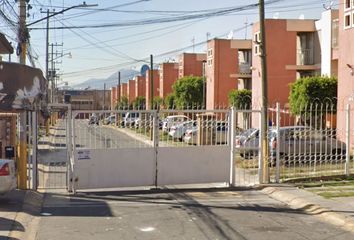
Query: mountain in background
[(111, 81)]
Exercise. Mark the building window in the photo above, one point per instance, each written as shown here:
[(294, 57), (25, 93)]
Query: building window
[(347, 20), (347, 4), (210, 52), (256, 49)]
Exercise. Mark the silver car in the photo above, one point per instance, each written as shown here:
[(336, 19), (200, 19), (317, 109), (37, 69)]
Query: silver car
[(302, 142), (247, 143), (7, 176)]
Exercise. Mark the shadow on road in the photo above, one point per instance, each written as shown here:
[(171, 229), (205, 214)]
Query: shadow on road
[(9, 225)]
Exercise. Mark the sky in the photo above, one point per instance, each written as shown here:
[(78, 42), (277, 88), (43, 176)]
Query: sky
[(81, 54)]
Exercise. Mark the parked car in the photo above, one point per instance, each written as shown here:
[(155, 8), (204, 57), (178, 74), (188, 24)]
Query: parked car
[(219, 133), (169, 121), (247, 143), (178, 131), (110, 120), (94, 120), (130, 118), (300, 142), (8, 180)]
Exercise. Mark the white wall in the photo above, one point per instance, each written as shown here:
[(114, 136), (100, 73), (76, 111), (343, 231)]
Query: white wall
[(324, 30), (189, 165), (112, 168)]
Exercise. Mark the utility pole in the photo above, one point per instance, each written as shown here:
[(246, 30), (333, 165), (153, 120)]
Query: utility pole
[(118, 90), (104, 96), (151, 82), (264, 117), (22, 148)]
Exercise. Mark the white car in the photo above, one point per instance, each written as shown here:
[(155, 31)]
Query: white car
[(219, 136), (8, 180), (179, 130), (169, 121), (130, 118)]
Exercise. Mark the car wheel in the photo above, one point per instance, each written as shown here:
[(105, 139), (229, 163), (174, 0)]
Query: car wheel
[(338, 154)]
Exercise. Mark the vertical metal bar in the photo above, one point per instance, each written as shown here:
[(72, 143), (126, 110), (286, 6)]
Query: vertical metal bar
[(232, 128), (155, 135), (30, 142), (34, 151), (347, 151), (260, 157), (277, 176)]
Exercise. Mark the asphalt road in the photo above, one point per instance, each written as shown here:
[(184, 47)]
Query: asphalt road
[(187, 214), (103, 136)]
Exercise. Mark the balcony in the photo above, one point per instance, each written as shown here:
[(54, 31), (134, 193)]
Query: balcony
[(245, 68), (305, 57), (244, 71)]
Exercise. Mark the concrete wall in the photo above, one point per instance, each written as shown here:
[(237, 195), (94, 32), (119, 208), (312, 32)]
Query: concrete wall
[(345, 76)]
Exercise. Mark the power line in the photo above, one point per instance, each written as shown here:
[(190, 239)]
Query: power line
[(167, 20)]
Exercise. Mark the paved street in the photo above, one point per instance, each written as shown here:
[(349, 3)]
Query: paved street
[(192, 214)]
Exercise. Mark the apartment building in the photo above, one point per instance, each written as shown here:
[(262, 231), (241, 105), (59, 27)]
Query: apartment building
[(228, 66), (156, 82), (114, 97), (191, 64), (140, 88), (131, 91), (168, 76), (124, 90), (345, 67), (293, 51)]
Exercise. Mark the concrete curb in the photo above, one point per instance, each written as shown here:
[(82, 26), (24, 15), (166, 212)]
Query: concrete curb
[(310, 207), (28, 216)]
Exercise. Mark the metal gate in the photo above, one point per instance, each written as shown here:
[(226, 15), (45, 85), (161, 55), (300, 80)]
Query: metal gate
[(129, 148), (53, 149)]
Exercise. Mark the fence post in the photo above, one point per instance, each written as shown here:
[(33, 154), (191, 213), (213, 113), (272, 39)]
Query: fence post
[(260, 159), (232, 124), (155, 142), (277, 176), (347, 142), (34, 149)]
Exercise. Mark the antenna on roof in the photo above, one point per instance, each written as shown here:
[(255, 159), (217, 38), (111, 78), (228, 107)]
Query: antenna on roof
[(329, 7)]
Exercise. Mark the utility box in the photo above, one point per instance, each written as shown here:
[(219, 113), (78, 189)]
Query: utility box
[(7, 132), (9, 152), (206, 129)]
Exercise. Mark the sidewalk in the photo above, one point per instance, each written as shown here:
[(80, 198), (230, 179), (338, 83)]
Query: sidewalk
[(18, 210), (338, 212)]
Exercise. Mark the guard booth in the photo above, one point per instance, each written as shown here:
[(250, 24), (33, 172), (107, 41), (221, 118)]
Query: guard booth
[(23, 91)]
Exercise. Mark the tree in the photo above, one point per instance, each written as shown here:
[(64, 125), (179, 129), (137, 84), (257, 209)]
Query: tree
[(157, 102), (139, 102), (312, 93), (170, 101), (123, 103), (188, 91), (240, 99)]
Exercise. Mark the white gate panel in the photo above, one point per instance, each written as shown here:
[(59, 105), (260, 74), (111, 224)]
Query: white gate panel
[(112, 168), (192, 165)]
